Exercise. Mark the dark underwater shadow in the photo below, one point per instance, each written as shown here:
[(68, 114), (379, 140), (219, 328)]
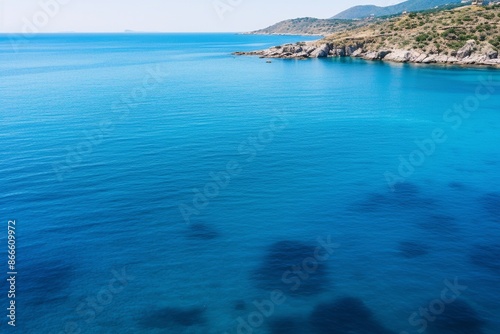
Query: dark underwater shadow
[(487, 256), (439, 224), (47, 281), (173, 317), (458, 318), (406, 189), (406, 196), (491, 204), (373, 202), (411, 249), (347, 315), (283, 269), (240, 305), (199, 231), (288, 325), (457, 185)]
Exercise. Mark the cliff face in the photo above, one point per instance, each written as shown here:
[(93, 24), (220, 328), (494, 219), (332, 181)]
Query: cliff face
[(469, 36)]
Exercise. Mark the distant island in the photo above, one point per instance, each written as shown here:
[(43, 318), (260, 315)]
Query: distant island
[(467, 35)]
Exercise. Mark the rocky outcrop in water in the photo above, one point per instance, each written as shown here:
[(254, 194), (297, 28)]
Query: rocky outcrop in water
[(471, 53)]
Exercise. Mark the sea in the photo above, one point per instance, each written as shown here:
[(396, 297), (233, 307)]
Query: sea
[(157, 183)]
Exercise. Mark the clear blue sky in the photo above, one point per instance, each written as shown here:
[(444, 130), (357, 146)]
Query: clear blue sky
[(162, 15)]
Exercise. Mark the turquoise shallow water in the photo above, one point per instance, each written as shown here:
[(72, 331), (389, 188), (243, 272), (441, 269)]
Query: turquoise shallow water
[(161, 185)]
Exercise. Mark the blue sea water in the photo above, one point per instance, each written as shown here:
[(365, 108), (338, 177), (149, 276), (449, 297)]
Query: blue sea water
[(161, 185)]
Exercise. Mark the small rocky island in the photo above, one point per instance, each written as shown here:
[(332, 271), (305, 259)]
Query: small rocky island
[(463, 36)]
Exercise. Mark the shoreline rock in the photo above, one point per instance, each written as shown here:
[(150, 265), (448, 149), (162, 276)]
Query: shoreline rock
[(471, 54)]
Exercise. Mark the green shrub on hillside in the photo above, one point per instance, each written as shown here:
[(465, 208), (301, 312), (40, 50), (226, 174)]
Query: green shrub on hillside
[(495, 42)]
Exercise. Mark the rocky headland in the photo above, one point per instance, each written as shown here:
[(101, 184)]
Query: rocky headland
[(470, 54), (465, 36)]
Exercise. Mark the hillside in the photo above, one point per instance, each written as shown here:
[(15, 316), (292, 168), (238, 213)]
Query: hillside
[(349, 19), (433, 33), (309, 26), (359, 12), (467, 35)]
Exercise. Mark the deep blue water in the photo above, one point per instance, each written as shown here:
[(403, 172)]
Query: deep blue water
[(109, 141)]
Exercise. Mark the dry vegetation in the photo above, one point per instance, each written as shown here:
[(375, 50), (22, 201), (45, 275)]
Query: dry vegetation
[(310, 26), (429, 32)]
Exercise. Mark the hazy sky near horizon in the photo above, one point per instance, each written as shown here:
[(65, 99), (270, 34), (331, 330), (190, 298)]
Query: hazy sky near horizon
[(162, 15)]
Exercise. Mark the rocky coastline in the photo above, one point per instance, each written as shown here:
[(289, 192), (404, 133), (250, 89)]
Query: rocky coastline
[(471, 54)]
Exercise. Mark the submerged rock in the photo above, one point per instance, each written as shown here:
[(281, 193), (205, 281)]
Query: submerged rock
[(457, 318), (240, 305), (405, 196), (487, 256), (457, 185), (374, 202), (439, 223), (288, 325), (171, 317), (287, 267), (491, 204), (410, 249), (202, 232), (406, 189), (48, 283), (345, 316)]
